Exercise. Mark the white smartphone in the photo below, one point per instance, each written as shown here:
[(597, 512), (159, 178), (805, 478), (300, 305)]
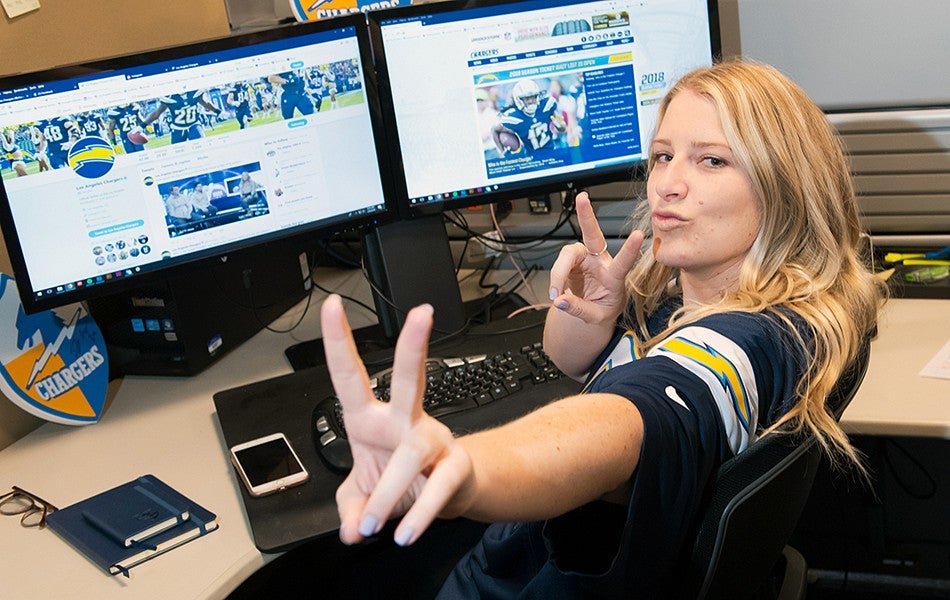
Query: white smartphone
[(268, 464)]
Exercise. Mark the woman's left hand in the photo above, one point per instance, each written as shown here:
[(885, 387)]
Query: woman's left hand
[(586, 282)]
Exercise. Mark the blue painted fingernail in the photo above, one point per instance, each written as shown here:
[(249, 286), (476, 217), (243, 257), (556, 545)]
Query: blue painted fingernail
[(368, 525), (553, 293), (403, 536), (562, 305)]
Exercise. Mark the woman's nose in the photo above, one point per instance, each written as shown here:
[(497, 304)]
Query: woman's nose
[(670, 180)]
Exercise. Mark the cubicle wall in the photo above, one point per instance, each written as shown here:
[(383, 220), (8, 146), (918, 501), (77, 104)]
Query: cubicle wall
[(901, 165), (879, 68), (69, 31)]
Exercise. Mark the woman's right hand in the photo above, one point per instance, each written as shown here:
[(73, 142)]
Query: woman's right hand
[(404, 461), (586, 282)]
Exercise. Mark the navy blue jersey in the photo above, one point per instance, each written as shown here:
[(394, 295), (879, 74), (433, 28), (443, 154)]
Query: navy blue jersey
[(184, 109), (185, 115), (90, 124), (125, 118), (534, 130), (57, 132), (293, 97), (294, 83), (239, 98), (703, 393)]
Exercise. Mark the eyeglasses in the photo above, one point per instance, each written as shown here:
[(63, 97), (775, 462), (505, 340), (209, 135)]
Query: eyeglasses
[(32, 508)]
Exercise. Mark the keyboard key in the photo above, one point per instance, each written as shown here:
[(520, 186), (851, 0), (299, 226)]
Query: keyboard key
[(453, 385)]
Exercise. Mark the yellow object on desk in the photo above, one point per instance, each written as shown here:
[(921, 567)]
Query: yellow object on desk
[(926, 261)]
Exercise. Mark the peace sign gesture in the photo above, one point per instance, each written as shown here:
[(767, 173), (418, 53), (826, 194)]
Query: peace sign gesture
[(587, 292), (404, 461), (585, 281)]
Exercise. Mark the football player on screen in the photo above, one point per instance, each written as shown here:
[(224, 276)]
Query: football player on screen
[(532, 116), (91, 123), (12, 152), (294, 93), (126, 119), (328, 79), (185, 110), (239, 101), (56, 137)]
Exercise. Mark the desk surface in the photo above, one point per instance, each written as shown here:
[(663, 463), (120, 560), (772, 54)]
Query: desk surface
[(894, 399), (167, 426)]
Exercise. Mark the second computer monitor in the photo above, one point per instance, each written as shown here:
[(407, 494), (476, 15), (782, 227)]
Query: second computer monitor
[(120, 173), (505, 99)]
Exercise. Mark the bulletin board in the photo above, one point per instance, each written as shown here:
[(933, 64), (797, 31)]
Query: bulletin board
[(69, 31)]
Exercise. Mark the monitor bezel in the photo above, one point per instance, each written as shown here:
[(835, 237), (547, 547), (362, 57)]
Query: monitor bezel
[(569, 183), (203, 259)]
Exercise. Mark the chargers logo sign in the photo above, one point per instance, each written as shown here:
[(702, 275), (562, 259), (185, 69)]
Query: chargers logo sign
[(56, 366), (91, 157)]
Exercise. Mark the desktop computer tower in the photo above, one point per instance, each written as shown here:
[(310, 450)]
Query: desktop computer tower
[(181, 325)]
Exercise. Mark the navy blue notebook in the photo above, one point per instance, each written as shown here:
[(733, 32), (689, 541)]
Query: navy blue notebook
[(99, 526), (135, 511)]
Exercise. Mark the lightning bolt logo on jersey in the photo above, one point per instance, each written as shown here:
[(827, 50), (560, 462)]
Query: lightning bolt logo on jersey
[(626, 350), (55, 367), (717, 360)]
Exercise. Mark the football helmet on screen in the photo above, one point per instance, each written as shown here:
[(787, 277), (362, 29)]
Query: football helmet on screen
[(526, 95)]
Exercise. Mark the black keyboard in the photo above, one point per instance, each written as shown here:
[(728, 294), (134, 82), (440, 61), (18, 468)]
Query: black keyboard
[(453, 385)]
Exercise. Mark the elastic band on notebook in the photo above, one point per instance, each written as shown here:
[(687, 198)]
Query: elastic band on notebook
[(160, 502)]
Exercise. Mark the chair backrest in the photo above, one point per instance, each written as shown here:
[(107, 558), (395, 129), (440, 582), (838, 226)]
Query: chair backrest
[(755, 502)]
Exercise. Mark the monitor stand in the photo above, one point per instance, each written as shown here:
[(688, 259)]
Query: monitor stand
[(410, 263)]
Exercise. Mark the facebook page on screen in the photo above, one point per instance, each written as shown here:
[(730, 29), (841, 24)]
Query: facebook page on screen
[(510, 93), (109, 175)]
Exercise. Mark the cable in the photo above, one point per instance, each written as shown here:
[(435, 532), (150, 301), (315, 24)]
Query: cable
[(303, 314), (347, 298), (563, 217), (254, 311), (929, 480), (351, 262), (382, 296), (511, 255)]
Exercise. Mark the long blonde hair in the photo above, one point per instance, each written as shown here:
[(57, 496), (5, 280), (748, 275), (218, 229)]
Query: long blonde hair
[(809, 255)]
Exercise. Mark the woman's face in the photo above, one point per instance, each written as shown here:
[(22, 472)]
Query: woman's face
[(704, 211)]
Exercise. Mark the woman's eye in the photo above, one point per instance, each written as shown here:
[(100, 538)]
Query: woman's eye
[(714, 161), (662, 157)]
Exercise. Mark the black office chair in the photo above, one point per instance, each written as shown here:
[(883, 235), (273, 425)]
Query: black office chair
[(756, 499)]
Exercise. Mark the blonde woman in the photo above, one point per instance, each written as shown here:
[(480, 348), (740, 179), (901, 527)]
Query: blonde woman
[(737, 314)]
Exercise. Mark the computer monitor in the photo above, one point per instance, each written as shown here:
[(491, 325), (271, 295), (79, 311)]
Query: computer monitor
[(123, 172), (486, 101)]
